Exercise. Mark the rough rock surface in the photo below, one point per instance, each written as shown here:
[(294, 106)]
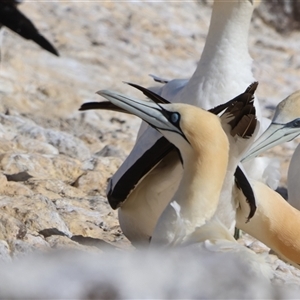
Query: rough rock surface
[(55, 161)]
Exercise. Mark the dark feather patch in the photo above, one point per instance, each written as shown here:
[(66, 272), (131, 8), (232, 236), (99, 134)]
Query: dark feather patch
[(231, 103), (218, 109), (244, 120), (151, 95), (252, 88), (15, 20), (105, 105), (138, 170), (243, 184)]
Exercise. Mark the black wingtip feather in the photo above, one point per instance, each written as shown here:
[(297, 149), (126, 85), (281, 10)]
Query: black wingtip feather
[(243, 184), (133, 175), (105, 105), (16, 21), (249, 90), (148, 93), (45, 44)]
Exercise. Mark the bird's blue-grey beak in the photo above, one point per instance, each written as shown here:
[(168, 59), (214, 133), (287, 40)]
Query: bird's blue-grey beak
[(154, 114), (274, 135)]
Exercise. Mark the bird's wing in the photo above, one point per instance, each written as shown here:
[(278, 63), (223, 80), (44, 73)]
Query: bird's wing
[(13, 19), (136, 166), (240, 123)]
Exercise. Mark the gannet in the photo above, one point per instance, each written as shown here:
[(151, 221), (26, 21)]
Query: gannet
[(200, 152), (225, 64), (12, 18), (224, 70), (139, 213), (285, 126), (275, 223), (189, 218)]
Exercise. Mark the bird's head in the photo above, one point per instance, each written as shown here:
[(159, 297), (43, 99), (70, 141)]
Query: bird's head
[(186, 126), (284, 127)]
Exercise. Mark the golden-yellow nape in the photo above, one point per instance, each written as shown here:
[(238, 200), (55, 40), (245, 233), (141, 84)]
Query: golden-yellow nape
[(276, 223)]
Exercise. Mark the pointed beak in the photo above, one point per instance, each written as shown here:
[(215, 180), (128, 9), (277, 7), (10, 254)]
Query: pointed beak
[(274, 135), (154, 114)]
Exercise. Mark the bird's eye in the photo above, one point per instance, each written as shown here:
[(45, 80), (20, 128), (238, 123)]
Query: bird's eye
[(296, 123), (175, 118)]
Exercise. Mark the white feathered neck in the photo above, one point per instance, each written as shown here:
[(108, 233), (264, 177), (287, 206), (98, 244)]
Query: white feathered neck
[(224, 69)]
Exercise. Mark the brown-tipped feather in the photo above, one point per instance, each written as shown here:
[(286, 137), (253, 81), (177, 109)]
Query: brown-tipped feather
[(252, 88), (243, 121), (249, 123), (240, 98)]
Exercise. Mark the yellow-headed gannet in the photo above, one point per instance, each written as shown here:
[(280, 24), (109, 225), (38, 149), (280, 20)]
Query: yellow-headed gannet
[(285, 126), (189, 218), (139, 214)]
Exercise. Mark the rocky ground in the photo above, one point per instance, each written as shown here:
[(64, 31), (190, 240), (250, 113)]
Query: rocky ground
[(55, 161)]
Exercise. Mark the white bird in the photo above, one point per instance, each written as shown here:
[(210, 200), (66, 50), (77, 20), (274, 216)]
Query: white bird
[(224, 70), (225, 66), (284, 127), (190, 217), (145, 206)]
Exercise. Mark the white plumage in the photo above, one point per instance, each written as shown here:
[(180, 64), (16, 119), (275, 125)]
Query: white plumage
[(224, 71)]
